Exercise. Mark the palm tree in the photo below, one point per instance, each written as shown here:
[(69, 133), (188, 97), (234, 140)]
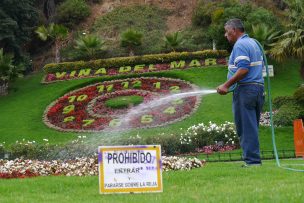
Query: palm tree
[(131, 39), (265, 35), (291, 43), (8, 71), (173, 41), (54, 32), (89, 45)]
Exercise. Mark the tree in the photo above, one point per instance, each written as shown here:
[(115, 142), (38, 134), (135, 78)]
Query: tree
[(131, 39), (89, 45), (173, 41), (54, 32), (8, 71), (265, 35), (18, 19), (291, 43)]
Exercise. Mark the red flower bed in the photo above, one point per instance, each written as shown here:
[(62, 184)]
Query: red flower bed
[(84, 110)]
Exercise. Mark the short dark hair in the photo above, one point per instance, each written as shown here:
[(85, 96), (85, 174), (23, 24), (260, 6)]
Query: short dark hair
[(236, 24)]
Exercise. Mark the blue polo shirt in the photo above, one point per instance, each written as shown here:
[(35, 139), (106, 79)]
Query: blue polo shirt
[(246, 54)]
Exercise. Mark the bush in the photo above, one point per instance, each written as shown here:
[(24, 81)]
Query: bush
[(170, 143), (202, 135), (71, 12), (221, 12), (125, 61), (282, 100), (299, 95), (261, 16), (286, 115), (30, 150), (2, 151), (202, 15)]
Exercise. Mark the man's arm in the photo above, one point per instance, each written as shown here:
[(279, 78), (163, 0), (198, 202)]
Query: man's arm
[(239, 75)]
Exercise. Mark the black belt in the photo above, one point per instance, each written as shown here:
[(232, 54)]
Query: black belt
[(250, 83)]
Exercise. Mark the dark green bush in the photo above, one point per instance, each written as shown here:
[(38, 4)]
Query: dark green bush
[(282, 100), (213, 17), (170, 143), (30, 150), (286, 115), (299, 95), (2, 151), (71, 12)]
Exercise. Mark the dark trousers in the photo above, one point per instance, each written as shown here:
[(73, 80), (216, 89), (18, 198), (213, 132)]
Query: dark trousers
[(248, 100)]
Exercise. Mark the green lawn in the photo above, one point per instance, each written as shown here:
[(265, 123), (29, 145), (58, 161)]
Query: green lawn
[(22, 110), (216, 182)]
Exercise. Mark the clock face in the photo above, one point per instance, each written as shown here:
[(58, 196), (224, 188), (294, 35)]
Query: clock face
[(108, 106)]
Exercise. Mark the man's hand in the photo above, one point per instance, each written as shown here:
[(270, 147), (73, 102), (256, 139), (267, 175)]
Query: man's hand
[(222, 89)]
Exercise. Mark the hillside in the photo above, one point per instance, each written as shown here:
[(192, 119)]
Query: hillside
[(181, 11)]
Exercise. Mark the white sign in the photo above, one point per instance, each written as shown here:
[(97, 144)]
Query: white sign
[(270, 70), (130, 169)]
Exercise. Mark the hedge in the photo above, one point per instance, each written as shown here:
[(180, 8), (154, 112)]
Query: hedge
[(125, 61)]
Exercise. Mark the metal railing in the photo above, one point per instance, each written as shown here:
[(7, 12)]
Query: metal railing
[(237, 156)]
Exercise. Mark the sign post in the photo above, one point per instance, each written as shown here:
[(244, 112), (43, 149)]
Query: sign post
[(130, 169)]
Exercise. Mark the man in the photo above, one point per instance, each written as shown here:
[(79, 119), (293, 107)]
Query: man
[(245, 76)]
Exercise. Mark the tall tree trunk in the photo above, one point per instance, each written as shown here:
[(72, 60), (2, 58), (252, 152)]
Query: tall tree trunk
[(49, 10), (3, 88), (57, 51), (131, 51)]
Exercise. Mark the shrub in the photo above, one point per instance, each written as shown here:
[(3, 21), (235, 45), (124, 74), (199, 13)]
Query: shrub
[(286, 115), (299, 95), (282, 100), (89, 46), (170, 143), (125, 61), (202, 14), (202, 135), (30, 150), (2, 151), (71, 12)]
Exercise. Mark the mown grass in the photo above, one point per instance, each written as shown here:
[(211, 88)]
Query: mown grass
[(22, 110), (216, 182)]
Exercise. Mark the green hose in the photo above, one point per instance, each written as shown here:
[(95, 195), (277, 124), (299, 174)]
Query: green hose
[(271, 116)]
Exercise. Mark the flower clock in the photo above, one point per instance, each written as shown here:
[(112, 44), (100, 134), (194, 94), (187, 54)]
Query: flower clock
[(106, 106)]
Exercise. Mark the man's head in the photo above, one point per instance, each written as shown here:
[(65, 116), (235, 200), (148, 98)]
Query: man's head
[(234, 29)]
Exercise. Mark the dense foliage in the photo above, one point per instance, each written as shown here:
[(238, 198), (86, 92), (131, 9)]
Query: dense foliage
[(18, 19), (289, 108), (71, 12), (213, 15)]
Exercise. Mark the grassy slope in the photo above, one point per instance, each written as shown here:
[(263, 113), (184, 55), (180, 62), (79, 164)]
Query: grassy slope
[(21, 111), (216, 182)]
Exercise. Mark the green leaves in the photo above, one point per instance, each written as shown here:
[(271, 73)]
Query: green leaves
[(8, 71), (290, 44), (131, 39), (53, 31), (89, 45), (173, 40), (264, 34)]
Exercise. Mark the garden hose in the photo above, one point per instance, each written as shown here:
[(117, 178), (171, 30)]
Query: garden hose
[(271, 116)]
